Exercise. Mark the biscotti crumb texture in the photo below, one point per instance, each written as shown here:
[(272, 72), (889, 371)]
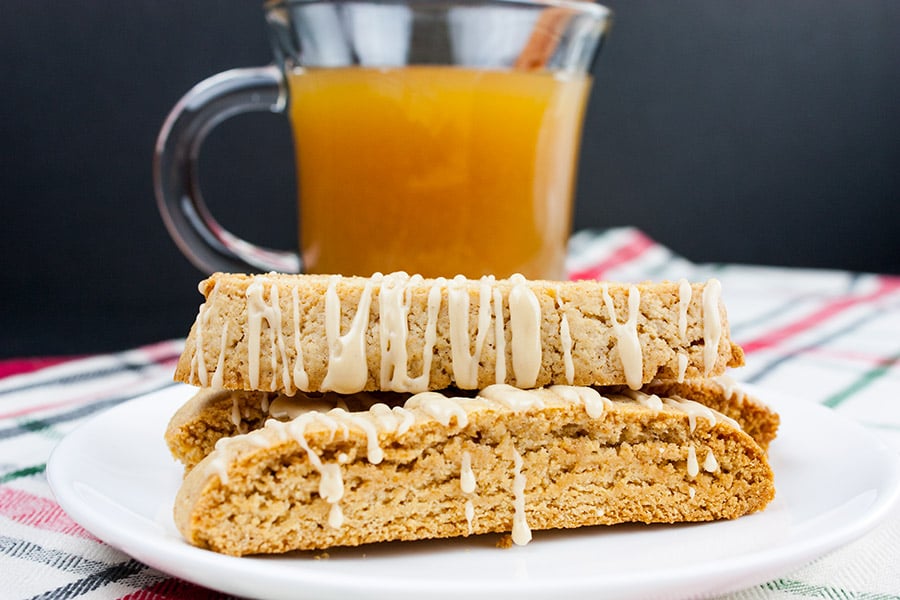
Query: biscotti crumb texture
[(211, 415), (506, 461), (284, 333)]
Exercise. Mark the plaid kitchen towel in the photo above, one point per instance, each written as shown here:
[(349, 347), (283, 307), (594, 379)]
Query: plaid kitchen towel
[(825, 336)]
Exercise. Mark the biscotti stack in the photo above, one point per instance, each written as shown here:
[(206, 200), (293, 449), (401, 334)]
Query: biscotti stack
[(338, 411)]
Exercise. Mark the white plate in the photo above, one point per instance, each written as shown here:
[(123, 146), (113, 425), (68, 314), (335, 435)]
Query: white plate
[(115, 477)]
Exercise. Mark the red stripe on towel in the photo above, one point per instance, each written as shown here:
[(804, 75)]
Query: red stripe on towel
[(173, 589), (886, 286), (636, 246), (38, 512), (20, 366)]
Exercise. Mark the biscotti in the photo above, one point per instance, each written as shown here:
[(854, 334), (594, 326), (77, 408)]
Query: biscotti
[(210, 415), (282, 333), (507, 460)]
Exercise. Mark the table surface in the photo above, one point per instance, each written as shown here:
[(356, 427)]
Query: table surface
[(831, 337)]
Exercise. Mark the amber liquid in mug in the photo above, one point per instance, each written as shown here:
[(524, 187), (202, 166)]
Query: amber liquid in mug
[(436, 170)]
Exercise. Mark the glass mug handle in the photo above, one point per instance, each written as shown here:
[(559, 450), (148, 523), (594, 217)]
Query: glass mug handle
[(208, 245)]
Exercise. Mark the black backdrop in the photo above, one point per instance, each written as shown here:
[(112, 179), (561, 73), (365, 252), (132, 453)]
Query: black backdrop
[(757, 132)]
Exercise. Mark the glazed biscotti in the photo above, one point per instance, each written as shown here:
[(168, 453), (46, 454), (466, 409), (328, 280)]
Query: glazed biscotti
[(283, 333), (507, 460), (211, 415)]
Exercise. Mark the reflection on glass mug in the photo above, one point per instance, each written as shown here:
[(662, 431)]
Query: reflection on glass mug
[(430, 137)]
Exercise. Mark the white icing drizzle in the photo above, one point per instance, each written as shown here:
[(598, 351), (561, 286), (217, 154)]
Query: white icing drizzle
[(198, 361), (258, 441), (710, 465), (301, 378), (393, 315), (565, 338), (521, 533), (335, 516), (499, 339), (467, 486), (257, 311), (286, 375), (236, 414), (421, 382), (712, 324), (692, 467), (466, 476), (730, 388), (594, 403), (374, 453), (296, 429), (512, 398), (463, 362), (347, 367), (525, 324), (682, 366), (684, 301), (405, 417), (440, 408), (693, 410), (331, 486), (628, 343), (393, 310), (383, 416), (692, 492), (651, 401), (331, 482), (218, 462), (217, 378)]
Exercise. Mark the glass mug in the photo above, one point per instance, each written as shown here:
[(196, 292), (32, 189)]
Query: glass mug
[(437, 137)]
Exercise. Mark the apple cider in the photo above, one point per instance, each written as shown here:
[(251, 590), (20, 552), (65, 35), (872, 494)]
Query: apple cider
[(436, 170)]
